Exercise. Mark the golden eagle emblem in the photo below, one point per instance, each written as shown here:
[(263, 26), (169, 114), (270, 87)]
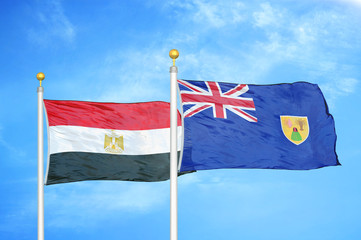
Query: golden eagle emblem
[(113, 142)]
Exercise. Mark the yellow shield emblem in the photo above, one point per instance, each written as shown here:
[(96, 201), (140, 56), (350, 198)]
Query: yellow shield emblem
[(295, 128), (113, 142)]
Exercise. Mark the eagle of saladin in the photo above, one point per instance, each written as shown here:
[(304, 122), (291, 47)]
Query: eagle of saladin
[(113, 142)]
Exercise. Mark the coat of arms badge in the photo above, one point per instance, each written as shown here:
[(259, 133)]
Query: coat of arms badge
[(113, 142), (295, 128)]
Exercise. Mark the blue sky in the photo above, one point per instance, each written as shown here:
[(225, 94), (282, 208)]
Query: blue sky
[(118, 51)]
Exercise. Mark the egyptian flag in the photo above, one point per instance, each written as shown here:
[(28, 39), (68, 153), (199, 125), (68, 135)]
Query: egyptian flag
[(108, 141)]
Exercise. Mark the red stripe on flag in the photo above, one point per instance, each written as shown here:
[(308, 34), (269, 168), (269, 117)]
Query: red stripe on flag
[(188, 86), (236, 89), (197, 110), (121, 116), (251, 118)]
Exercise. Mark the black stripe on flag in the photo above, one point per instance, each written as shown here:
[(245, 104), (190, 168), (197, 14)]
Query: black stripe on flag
[(81, 166)]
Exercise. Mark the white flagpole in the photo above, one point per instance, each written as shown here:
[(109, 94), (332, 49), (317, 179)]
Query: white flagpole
[(173, 148), (40, 76)]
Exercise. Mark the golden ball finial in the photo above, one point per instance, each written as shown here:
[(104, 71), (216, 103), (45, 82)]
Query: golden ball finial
[(173, 54), (40, 76)]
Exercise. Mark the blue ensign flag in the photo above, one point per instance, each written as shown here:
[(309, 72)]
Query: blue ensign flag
[(281, 126)]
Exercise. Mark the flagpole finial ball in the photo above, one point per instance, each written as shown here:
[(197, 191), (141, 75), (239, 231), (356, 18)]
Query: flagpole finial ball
[(40, 76), (173, 53)]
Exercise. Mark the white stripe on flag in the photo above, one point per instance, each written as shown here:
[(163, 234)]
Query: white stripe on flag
[(85, 139)]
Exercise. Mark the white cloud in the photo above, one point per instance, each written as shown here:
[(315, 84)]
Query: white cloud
[(338, 87), (132, 76), (53, 24), (215, 186), (188, 179), (345, 86), (268, 16), (207, 65), (304, 34), (305, 41), (348, 85), (352, 2), (13, 222), (84, 204), (12, 149), (215, 14)]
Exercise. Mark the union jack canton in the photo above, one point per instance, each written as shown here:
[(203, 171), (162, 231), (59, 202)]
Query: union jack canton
[(212, 96)]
